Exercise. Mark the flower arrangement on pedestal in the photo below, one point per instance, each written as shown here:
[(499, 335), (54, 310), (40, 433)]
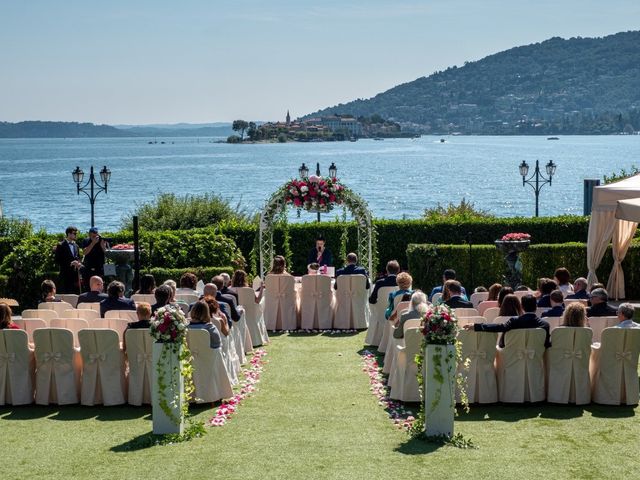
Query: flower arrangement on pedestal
[(318, 194)]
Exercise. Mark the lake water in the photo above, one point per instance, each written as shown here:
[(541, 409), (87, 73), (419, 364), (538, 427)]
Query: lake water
[(398, 177)]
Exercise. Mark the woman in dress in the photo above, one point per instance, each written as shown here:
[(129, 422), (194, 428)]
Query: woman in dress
[(5, 318), (201, 319), (511, 306)]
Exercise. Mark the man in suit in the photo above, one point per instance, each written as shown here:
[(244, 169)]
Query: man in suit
[(546, 288), (528, 319), (236, 312), (67, 256), (225, 289), (320, 255), (94, 249), (116, 299), (352, 268), (95, 294), (625, 315), (579, 290), (599, 306), (388, 280), (143, 311), (448, 274), (455, 299), (557, 305)]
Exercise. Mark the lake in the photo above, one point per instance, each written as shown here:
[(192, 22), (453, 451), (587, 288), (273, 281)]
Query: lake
[(398, 177)]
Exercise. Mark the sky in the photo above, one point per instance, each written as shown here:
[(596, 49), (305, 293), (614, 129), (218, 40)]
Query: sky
[(197, 61)]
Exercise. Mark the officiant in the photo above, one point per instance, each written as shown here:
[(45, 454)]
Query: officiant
[(320, 254)]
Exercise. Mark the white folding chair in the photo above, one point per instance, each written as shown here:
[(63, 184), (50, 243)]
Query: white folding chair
[(480, 376), (58, 307), (29, 325), (491, 313), (478, 297), (85, 313), (39, 313), (598, 324), (405, 383), (210, 377), (70, 298), (280, 311), (149, 298), (254, 316), (466, 312)]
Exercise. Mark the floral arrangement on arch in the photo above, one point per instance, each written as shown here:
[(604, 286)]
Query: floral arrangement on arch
[(440, 326), (516, 237), (314, 193)]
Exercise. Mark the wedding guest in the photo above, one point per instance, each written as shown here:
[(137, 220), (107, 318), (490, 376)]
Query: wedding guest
[(320, 254), (504, 291), (48, 292), (5, 318), (93, 249), (556, 300), (312, 268), (210, 290), (240, 280), (579, 289), (225, 290), (448, 274), (174, 289), (511, 306), (188, 282), (236, 312), (596, 285), (625, 315), (116, 299), (575, 315), (147, 284), (279, 266), (388, 280), (143, 312), (417, 308), (201, 319), (405, 282), (455, 299), (163, 297), (352, 268), (480, 289), (528, 319), (563, 278), (67, 256), (599, 306), (215, 311), (494, 291), (95, 294), (547, 286)]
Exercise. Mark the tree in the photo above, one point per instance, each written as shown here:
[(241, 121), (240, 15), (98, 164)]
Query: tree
[(240, 126)]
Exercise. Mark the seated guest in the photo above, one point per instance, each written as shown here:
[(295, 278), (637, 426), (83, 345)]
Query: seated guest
[(511, 306), (393, 318), (575, 315), (279, 266), (563, 278), (188, 282), (115, 299), (214, 310), (579, 290), (448, 274), (239, 280), (48, 292), (404, 287), (95, 294), (557, 305), (388, 280), (5, 318), (480, 289), (201, 319), (455, 299), (312, 268), (352, 268), (163, 297), (625, 315), (522, 288), (494, 291), (596, 285), (211, 290), (417, 309), (547, 286), (236, 312), (174, 290), (599, 306), (528, 319), (504, 291), (225, 290), (143, 311), (147, 284)]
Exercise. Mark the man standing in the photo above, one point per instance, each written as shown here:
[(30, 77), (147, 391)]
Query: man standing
[(352, 268), (94, 249), (320, 255), (67, 256)]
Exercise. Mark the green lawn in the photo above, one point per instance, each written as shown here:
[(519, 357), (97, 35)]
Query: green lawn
[(314, 417)]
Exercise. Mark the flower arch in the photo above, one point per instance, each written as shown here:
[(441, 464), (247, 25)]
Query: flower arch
[(339, 194)]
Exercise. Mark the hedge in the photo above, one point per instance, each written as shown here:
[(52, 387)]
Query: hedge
[(487, 266)]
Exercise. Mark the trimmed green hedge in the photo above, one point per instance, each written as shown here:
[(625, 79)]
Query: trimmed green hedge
[(428, 261)]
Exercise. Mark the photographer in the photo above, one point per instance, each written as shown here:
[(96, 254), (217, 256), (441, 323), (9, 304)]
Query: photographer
[(94, 249), (320, 254)]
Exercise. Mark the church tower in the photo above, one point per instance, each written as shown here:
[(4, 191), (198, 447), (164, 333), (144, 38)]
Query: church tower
[(288, 118)]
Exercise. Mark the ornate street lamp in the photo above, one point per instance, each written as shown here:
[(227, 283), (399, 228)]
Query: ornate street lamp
[(94, 186), (538, 183), (333, 171), (303, 171)]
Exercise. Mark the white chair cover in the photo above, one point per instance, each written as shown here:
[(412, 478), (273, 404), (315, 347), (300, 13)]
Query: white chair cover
[(72, 324), (387, 332), (614, 367), (231, 361), (405, 383), (520, 366), (92, 306), (466, 312), (149, 298), (478, 297), (280, 303), (257, 281), (583, 301), (392, 352), (491, 313), (58, 367), (567, 363), (352, 307), (237, 336), (85, 313), (210, 377), (140, 356), (29, 325), (119, 325), (483, 306), (377, 322), (253, 316), (480, 349), (58, 307), (70, 298), (40, 313), (470, 320), (103, 378), (554, 322), (16, 368), (316, 302), (188, 298), (598, 324), (128, 315), (500, 320)]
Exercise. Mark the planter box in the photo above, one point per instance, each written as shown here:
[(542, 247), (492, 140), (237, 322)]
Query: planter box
[(439, 398), (161, 422)]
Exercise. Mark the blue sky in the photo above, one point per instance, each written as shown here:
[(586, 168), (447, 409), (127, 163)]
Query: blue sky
[(143, 61)]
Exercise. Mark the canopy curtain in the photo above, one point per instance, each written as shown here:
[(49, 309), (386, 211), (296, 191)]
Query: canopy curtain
[(601, 229), (623, 233)]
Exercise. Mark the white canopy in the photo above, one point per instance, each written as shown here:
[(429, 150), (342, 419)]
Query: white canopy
[(606, 226), (628, 210)]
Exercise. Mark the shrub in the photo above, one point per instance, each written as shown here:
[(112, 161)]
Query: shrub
[(234, 139), (465, 211)]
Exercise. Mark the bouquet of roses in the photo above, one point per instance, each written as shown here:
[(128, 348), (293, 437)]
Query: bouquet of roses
[(314, 193), (123, 246), (440, 326), (516, 237), (169, 325)]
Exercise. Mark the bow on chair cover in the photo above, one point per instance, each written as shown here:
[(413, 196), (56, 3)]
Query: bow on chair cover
[(480, 349), (254, 316), (316, 302), (210, 377), (57, 367), (140, 355), (520, 366), (352, 308), (568, 365), (16, 368), (103, 379), (614, 367)]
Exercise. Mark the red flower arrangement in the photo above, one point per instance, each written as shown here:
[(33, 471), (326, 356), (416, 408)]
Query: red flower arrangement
[(516, 237), (123, 246), (440, 326), (314, 193)]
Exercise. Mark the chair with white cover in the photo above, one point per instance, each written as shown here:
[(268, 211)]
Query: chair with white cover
[(522, 293), (387, 332), (436, 298), (316, 303), (72, 324), (103, 368), (38, 313), (598, 324), (119, 325), (210, 377), (377, 322), (392, 350), (614, 367), (462, 321), (500, 319), (491, 313), (140, 356), (70, 298), (554, 322), (253, 316), (478, 297), (480, 349), (16, 368), (352, 307), (128, 315), (520, 366), (466, 312), (149, 298), (257, 282), (583, 301), (238, 336), (280, 312), (405, 383), (58, 307), (227, 347), (92, 306), (58, 367), (567, 362), (483, 306), (29, 325), (187, 298), (12, 302), (85, 313)]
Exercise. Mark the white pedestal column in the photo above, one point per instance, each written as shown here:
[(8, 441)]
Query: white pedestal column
[(161, 422), (439, 400)]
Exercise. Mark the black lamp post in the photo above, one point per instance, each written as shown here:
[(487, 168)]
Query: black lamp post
[(538, 183), (304, 173), (95, 186)]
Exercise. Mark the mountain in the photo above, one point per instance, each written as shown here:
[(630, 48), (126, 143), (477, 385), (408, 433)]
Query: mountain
[(38, 129), (579, 85)]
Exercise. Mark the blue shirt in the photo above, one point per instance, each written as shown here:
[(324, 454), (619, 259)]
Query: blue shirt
[(439, 290)]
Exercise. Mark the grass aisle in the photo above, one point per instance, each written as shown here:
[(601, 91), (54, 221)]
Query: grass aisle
[(314, 417)]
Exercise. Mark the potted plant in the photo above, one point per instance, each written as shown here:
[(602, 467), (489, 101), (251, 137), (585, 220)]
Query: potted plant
[(511, 245)]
